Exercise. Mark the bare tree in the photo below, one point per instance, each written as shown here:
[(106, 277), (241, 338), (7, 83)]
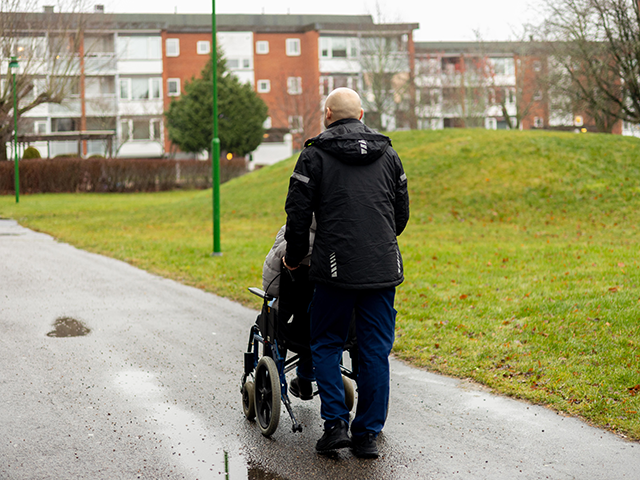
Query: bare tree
[(516, 76), (47, 46), (596, 52), (298, 107), (384, 61)]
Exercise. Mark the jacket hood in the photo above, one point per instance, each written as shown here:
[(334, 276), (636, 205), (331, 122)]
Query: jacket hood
[(351, 142)]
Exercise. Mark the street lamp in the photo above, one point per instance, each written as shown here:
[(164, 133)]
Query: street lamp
[(215, 142), (13, 68)]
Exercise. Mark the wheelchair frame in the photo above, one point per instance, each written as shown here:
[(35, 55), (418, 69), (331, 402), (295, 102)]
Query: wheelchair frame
[(264, 385)]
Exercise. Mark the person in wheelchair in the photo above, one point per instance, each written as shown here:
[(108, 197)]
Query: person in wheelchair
[(293, 292)]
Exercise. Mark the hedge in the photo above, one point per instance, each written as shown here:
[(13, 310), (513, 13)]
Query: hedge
[(113, 175)]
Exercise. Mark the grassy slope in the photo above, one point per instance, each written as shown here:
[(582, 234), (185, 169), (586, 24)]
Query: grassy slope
[(521, 257)]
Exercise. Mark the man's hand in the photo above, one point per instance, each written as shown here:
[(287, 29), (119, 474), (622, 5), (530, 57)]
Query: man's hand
[(288, 267)]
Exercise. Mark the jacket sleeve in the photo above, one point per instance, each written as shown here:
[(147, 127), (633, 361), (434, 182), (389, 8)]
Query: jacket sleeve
[(300, 204), (271, 267), (401, 206)]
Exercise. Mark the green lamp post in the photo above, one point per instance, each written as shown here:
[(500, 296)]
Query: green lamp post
[(215, 142), (13, 68)]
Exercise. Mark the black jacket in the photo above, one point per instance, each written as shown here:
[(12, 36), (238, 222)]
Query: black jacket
[(353, 180)]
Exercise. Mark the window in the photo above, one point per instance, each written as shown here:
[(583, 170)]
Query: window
[(173, 87), (267, 123), (100, 86), (294, 85), (264, 86), (172, 46), (203, 47), (156, 88), (503, 66), (538, 122), (293, 47), (64, 125), (510, 95), (233, 63), (262, 47), (140, 88), (40, 127), (74, 87), (246, 63), (156, 129), (537, 95), (139, 48), (537, 65), (125, 130), (125, 89), (338, 47), (295, 123), (140, 129)]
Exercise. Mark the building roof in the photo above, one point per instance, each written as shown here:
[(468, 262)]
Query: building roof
[(201, 23)]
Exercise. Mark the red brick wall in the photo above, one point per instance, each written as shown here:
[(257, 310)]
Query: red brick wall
[(276, 67), (185, 66)]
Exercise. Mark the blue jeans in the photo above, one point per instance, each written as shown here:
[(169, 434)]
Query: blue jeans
[(375, 326)]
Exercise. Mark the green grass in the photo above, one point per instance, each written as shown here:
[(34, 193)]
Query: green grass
[(521, 258)]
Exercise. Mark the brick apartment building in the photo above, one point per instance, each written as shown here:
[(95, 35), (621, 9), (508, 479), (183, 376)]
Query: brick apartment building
[(131, 66)]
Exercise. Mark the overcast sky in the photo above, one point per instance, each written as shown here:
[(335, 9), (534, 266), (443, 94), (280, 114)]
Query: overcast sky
[(439, 20)]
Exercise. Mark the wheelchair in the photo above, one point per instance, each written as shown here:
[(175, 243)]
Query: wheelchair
[(278, 341)]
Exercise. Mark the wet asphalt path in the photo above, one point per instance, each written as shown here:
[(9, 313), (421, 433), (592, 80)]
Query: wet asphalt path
[(153, 392)]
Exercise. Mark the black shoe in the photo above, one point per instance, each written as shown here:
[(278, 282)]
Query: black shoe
[(364, 446), (301, 388), (334, 438)]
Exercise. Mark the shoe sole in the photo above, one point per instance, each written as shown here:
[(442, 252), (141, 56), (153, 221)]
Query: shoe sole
[(365, 455), (336, 446)]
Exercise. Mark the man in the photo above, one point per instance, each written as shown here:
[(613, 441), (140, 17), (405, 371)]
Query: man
[(354, 182)]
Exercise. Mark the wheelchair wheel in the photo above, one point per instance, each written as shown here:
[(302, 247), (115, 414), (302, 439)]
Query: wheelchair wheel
[(349, 392), (249, 400), (267, 395)]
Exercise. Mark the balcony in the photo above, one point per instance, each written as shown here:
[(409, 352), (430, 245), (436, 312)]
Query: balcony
[(100, 64)]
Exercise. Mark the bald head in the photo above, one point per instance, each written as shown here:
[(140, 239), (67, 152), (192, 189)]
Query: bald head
[(340, 104)]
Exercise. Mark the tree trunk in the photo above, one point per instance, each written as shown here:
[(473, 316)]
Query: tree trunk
[(3, 147)]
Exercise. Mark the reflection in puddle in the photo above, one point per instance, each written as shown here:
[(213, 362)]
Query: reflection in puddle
[(191, 443), (68, 327)]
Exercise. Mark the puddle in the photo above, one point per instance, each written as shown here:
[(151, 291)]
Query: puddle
[(68, 327)]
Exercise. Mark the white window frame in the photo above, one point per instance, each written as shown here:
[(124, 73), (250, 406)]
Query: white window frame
[(293, 47), (128, 82), (538, 122), (158, 82), (126, 130), (203, 47), (267, 123), (177, 82), (172, 47), (294, 85), (128, 124), (262, 47), (264, 86), (155, 129)]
